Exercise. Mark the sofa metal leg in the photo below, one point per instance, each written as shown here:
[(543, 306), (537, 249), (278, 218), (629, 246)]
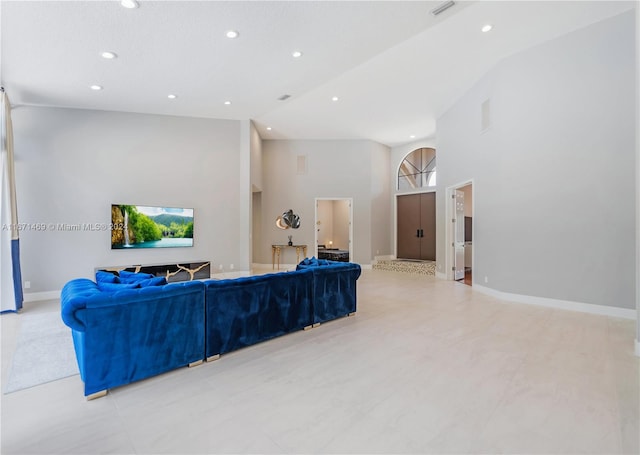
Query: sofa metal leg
[(213, 358), (196, 363), (99, 394), (309, 327), (351, 314), (317, 324)]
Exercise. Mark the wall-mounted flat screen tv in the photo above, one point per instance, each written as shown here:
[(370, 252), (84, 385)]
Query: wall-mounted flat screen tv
[(141, 226)]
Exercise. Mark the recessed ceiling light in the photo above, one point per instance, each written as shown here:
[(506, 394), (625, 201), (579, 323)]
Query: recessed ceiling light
[(335, 98), (413, 136), (268, 128), (296, 54), (96, 87), (487, 28), (129, 4), (172, 97), (108, 55), (227, 103), (232, 34)]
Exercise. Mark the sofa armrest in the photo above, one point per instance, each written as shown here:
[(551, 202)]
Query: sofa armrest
[(73, 302)]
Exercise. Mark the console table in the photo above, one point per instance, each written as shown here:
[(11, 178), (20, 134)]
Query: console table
[(277, 249)]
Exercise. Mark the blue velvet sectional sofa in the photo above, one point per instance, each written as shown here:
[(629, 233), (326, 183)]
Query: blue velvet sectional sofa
[(131, 327)]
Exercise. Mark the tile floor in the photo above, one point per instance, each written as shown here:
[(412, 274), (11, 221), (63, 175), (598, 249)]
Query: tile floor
[(425, 366)]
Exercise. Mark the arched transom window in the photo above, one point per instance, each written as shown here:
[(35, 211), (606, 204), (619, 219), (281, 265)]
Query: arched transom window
[(418, 170)]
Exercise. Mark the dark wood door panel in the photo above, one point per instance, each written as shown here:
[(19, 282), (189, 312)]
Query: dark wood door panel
[(408, 226), (428, 226)]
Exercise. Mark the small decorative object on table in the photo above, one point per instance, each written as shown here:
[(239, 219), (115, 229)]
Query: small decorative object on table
[(290, 241)]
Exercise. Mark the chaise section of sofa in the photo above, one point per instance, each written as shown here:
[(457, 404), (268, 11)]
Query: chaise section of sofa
[(244, 311), (122, 336)]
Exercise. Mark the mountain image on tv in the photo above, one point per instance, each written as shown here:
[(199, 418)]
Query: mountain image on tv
[(139, 226)]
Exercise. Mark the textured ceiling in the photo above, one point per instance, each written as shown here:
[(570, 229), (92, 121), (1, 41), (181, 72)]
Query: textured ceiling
[(393, 65)]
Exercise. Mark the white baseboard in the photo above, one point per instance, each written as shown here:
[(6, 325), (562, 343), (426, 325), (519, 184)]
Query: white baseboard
[(441, 276), (39, 296), (638, 347), (559, 304), (384, 257)]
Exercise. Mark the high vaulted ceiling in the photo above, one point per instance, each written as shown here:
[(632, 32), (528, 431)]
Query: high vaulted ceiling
[(393, 66)]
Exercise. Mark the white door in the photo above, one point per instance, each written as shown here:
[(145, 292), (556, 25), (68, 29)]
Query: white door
[(458, 229)]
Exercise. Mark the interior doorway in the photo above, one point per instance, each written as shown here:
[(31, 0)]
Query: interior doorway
[(334, 229), (460, 236)]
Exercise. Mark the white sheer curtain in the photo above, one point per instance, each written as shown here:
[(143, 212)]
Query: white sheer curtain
[(10, 277)]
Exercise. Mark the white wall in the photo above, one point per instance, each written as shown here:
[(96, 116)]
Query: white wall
[(381, 204), (256, 158), (637, 350), (256, 188), (256, 223), (71, 165), (335, 169), (554, 175)]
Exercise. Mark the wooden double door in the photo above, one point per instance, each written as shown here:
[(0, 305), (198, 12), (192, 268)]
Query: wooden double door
[(417, 226)]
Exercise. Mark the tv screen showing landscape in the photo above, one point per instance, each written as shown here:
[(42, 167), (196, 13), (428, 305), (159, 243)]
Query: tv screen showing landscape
[(141, 226)]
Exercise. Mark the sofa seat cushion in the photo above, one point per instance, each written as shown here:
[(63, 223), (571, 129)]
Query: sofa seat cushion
[(113, 287), (313, 262), (106, 277), (133, 277), (155, 281)]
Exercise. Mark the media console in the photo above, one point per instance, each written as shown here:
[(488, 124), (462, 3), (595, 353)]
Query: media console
[(173, 272)]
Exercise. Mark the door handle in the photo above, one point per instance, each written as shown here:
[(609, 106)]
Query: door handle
[(418, 233), (421, 233)]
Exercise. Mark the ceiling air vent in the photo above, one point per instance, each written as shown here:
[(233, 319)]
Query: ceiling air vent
[(284, 97), (442, 8)]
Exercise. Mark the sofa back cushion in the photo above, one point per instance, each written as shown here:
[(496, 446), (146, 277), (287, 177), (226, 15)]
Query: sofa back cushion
[(133, 277), (133, 284)]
